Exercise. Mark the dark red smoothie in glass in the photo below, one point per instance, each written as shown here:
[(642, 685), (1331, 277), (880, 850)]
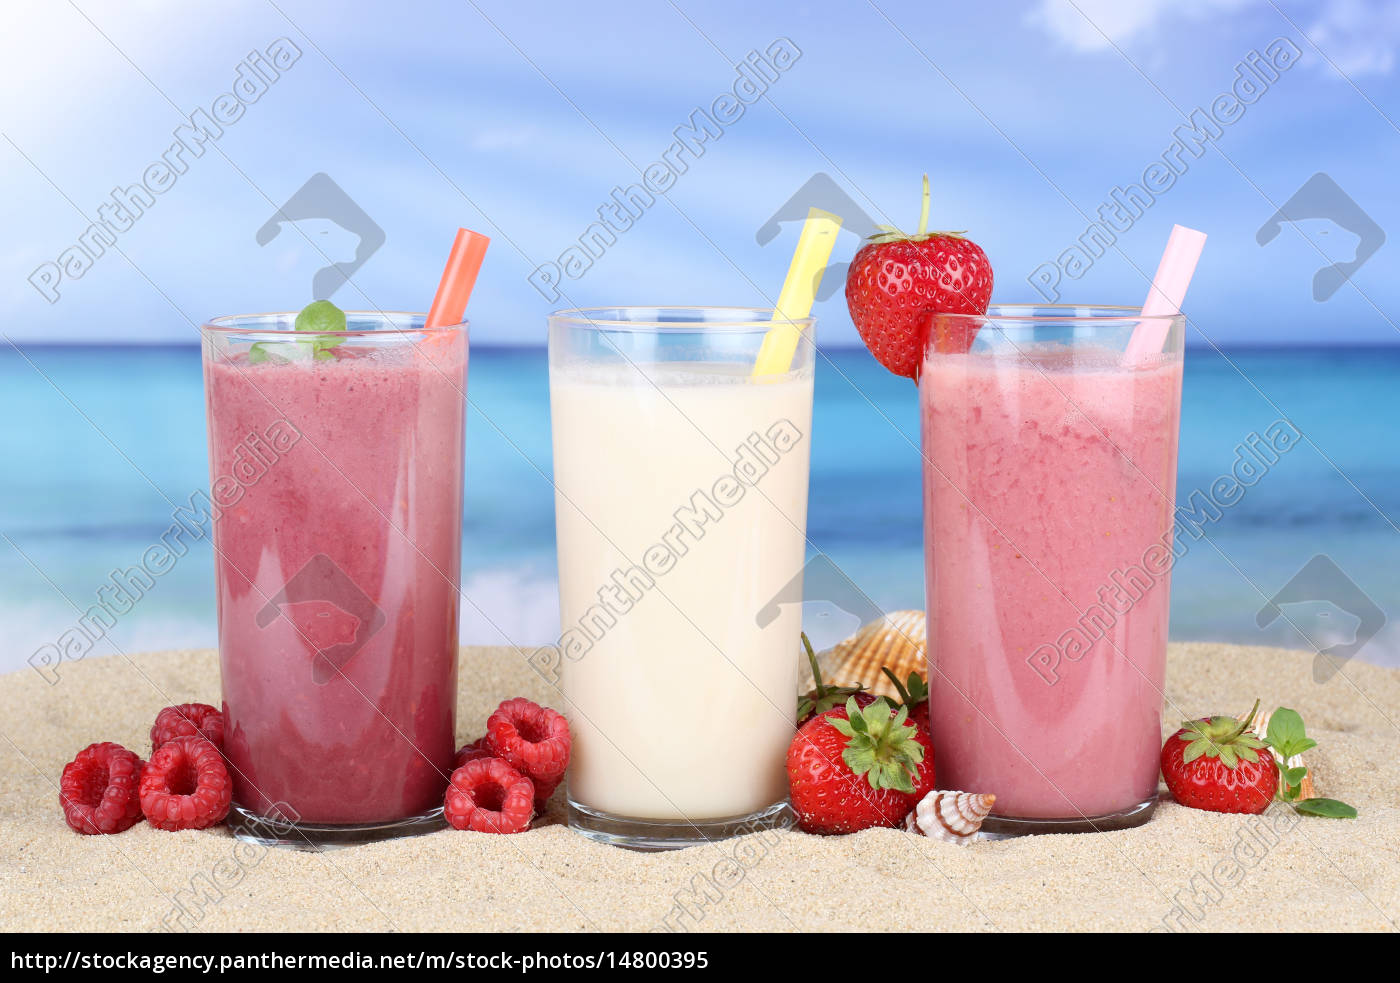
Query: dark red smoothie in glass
[(337, 563)]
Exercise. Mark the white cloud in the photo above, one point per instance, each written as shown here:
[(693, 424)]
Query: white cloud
[(1083, 24), (1358, 36)]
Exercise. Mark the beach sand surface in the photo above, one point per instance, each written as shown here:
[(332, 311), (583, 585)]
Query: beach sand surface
[(1185, 870)]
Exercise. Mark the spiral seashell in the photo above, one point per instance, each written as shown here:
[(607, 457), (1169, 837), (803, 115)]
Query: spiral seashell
[(1260, 730), (952, 816), (899, 640)]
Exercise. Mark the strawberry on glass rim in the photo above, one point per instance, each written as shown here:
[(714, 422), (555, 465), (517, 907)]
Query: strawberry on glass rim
[(897, 282)]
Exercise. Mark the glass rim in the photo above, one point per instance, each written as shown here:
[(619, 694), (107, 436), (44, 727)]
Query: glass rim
[(1060, 314), (746, 319), (248, 323)]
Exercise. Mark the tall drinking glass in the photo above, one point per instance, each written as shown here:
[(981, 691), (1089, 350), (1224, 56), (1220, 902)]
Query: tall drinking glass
[(336, 488), (681, 509), (1049, 489)]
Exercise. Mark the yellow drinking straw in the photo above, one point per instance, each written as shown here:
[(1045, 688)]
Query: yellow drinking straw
[(799, 292)]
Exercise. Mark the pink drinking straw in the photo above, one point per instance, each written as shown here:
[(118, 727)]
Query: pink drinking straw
[(1165, 296), (458, 278)]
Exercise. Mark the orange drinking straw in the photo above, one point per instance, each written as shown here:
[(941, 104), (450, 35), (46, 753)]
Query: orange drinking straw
[(458, 278)]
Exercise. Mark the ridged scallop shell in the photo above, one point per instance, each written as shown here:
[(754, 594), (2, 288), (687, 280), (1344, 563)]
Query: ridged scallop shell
[(898, 640), (952, 816), (1260, 730)]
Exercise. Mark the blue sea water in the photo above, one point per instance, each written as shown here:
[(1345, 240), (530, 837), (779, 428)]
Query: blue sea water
[(101, 443)]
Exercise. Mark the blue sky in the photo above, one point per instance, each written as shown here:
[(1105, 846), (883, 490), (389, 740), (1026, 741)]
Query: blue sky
[(519, 119)]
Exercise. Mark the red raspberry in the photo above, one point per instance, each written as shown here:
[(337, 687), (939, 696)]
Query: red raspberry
[(186, 785), (470, 752), (489, 796), (543, 790), (187, 720), (532, 738), (99, 789), (478, 749)]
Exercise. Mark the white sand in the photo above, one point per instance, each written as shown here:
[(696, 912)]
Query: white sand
[(1314, 874)]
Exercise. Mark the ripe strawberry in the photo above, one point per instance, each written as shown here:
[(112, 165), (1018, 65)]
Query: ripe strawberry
[(1214, 764), (821, 697), (896, 282), (853, 768)]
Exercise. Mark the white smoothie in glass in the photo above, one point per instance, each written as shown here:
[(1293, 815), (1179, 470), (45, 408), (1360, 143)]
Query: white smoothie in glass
[(681, 508)]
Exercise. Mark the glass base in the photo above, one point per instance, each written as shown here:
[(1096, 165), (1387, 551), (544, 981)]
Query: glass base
[(672, 834), (1004, 826), (267, 831)]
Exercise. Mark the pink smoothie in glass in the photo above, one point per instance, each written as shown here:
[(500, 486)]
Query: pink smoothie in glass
[(337, 574), (1048, 503)]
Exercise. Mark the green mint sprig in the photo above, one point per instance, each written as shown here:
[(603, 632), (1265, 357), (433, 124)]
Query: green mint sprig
[(315, 318), (1287, 736)]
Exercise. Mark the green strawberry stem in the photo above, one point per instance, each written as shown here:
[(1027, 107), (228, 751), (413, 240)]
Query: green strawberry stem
[(913, 691), (923, 211), (816, 669), (1221, 737), (889, 233), (822, 697), (880, 745), (1245, 724)]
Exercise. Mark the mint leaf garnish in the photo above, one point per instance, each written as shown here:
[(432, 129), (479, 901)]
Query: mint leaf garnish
[(1286, 734), (313, 319), (1288, 737), (317, 317), (1328, 808), (320, 316)]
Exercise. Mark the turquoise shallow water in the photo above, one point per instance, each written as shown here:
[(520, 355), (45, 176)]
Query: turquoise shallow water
[(102, 443)]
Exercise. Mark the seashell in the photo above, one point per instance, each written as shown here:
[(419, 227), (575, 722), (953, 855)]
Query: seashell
[(899, 641), (1259, 730), (952, 816)]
